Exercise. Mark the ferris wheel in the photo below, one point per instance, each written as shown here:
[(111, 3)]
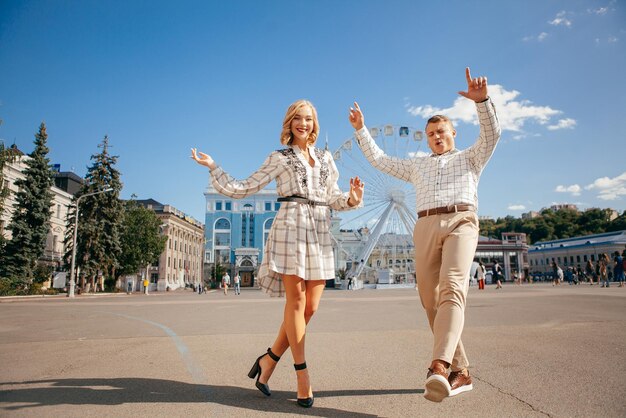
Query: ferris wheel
[(388, 214)]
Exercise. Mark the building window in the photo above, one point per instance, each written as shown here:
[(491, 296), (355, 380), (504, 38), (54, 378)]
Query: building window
[(267, 225), (276, 206), (268, 206), (218, 205), (222, 223), (229, 205), (222, 256), (251, 229), (222, 239), (244, 219)]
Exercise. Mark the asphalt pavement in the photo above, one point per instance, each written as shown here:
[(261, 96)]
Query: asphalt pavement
[(536, 351)]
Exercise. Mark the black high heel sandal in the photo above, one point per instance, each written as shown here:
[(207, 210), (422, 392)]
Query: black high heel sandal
[(303, 402), (255, 371)]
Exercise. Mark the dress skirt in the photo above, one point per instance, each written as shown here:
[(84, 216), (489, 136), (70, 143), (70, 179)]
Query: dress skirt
[(299, 243)]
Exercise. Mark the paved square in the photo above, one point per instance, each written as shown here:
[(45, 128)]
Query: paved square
[(536, 350)]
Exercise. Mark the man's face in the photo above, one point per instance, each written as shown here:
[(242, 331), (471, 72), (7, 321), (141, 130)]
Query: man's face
[(440, 137)]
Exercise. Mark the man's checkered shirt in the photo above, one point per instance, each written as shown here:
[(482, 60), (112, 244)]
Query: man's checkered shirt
[(441, 180)]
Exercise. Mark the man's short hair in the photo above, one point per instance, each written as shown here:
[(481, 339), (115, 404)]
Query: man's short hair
[(439, 118)]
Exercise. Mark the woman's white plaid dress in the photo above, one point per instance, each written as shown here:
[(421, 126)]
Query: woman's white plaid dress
[(299, 242)]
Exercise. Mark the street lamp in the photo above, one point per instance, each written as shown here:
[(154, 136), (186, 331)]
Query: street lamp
[(72, 281)]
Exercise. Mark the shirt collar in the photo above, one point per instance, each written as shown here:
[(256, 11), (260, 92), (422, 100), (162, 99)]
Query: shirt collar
[(452, 151)]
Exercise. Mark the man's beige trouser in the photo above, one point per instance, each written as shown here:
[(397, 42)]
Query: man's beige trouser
[(445, 246)]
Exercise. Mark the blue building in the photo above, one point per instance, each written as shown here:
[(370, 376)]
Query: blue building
[(236, 231)]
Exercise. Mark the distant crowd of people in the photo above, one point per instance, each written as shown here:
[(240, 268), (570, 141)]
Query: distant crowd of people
[(602, 272)]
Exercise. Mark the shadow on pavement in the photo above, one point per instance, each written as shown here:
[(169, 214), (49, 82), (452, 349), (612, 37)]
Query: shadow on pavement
[(144, 390)]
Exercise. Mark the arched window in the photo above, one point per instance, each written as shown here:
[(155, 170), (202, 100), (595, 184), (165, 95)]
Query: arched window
[(267, 225), (222, 223), (221, 241)]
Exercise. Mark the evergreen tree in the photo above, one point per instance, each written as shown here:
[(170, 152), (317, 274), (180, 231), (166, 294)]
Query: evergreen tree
[(100, 219), (30, 222), (142, 242)]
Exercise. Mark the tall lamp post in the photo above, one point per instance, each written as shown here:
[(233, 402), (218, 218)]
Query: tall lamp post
[(72, 281)]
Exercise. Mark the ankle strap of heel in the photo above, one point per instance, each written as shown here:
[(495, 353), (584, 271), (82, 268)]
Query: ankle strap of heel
[(300, 366), (272, 355)]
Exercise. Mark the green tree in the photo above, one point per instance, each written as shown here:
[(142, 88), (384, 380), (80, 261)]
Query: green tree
[(141, 240), (98, 246), (593, 221), (30, 222), (538, 229)]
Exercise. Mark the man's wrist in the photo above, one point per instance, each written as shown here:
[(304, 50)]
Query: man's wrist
[(483, 101)]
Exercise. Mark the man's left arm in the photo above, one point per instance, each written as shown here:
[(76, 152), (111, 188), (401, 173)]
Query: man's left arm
[(490, 131)]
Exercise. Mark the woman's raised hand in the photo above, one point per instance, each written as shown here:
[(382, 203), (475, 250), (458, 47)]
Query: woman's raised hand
[(357, 120), (356, 191), (203, 159)]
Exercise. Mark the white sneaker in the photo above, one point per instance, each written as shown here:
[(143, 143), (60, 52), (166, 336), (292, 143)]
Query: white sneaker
[(437, 388)]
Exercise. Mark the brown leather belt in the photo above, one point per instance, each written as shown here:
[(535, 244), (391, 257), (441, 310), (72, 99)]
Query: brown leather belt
[(300, 199), (445, 209)]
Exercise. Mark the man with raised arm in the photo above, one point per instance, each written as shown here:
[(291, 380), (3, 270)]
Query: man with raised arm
[(446, 232)]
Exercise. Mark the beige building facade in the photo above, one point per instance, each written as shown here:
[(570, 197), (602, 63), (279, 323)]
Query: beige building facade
[(181, 263), (53, 253)]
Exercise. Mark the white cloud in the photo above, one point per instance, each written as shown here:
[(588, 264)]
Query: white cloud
[(418, 154), (598, 11), (612, 39), (516, 207), (512, 112), (567, 123), (609, 188), (560, 19), (539, 38), (573, 189)]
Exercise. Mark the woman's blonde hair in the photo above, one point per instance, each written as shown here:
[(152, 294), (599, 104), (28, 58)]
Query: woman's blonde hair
[(285, 136)]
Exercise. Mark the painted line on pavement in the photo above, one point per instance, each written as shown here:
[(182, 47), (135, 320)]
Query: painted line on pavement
[(199, 378)]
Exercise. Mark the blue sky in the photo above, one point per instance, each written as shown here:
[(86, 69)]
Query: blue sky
[(160, 77)]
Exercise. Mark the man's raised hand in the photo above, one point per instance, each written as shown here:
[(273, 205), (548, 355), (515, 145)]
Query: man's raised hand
[(476, 87)]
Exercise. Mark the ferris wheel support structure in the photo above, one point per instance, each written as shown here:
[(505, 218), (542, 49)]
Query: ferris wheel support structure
[(388, 210)]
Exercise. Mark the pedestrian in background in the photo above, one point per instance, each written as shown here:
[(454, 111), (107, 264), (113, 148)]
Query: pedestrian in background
[(557, 274), (603, 262), (237, 282), (225, 282), (496, 271), (298, 257), (480, 275), (589, 272), (618, 268)]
